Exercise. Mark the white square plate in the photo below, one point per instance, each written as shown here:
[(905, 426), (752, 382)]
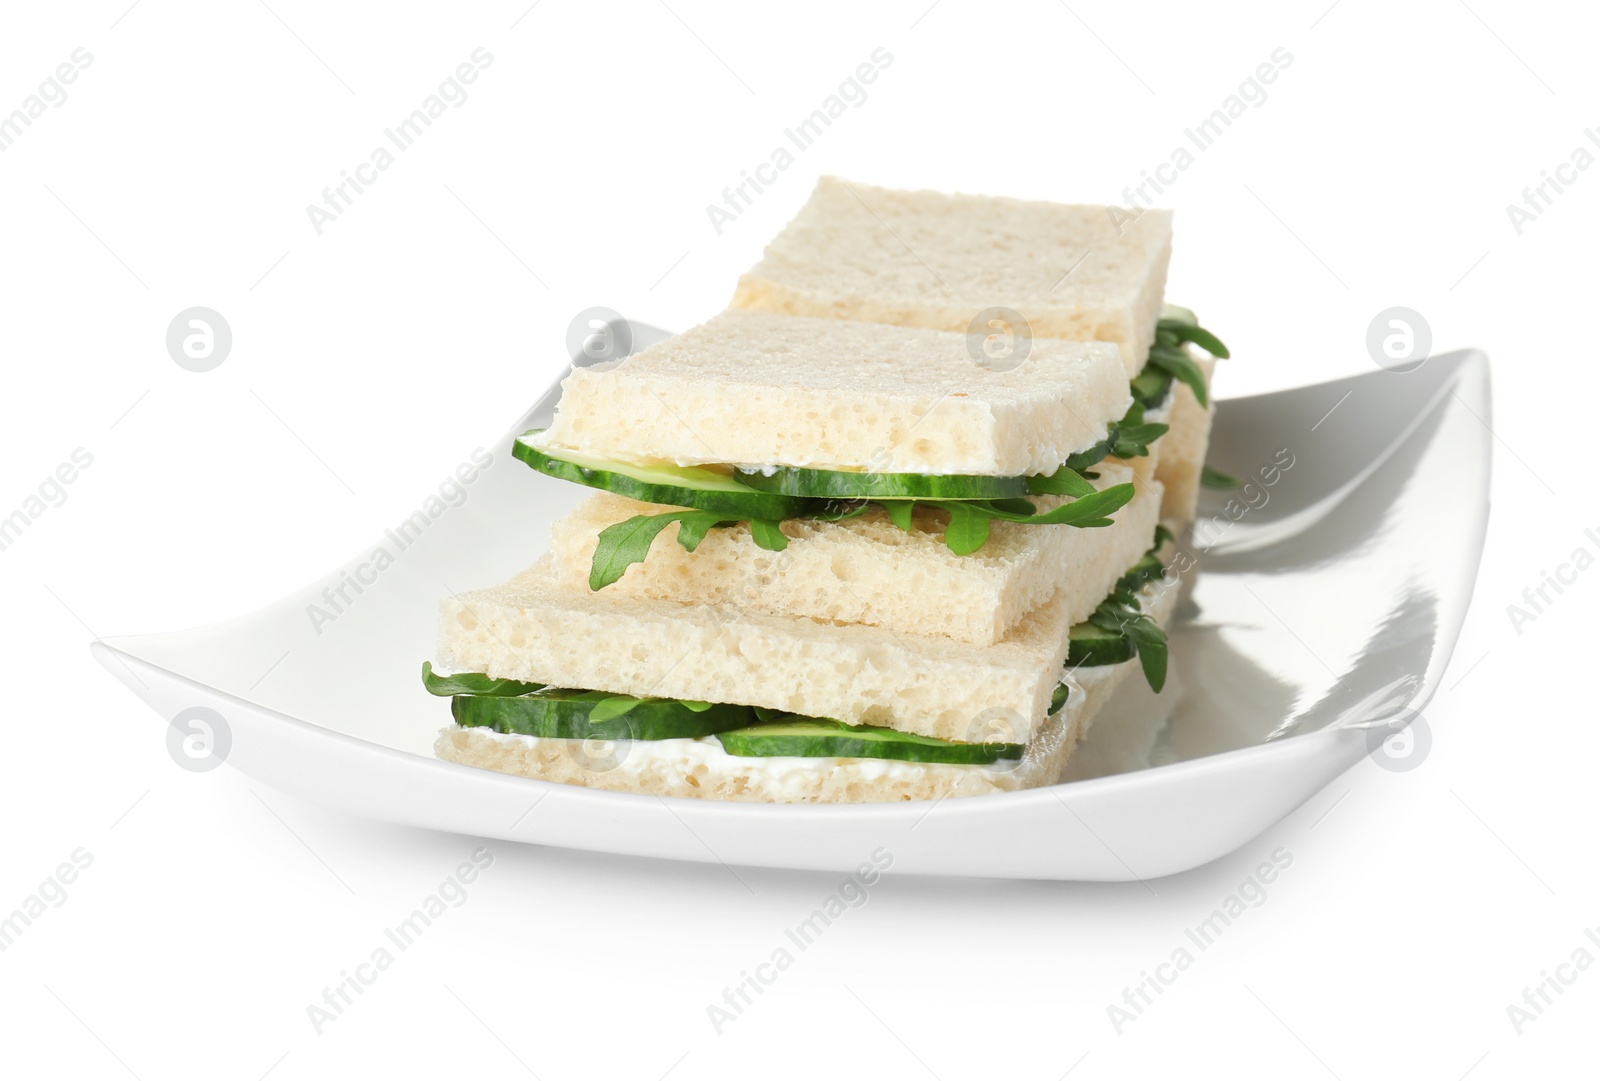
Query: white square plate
[(1325, 609)]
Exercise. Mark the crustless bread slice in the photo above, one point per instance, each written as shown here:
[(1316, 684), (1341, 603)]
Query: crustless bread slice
[(867, 571), (751, 388), (927, 259)]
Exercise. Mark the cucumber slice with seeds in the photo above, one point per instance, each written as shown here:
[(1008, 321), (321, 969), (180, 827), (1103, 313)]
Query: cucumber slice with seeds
[(815, 738), (836, 484), (556, 713), (676, 486)]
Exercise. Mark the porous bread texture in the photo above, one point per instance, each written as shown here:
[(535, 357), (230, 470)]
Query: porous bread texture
[(868, 571), (699, 769), (752, 388), (1183, 448), (929, 259), (532, 629)]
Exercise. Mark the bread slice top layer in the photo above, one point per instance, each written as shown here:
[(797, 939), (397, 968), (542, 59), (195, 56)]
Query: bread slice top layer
[(754, 388), (930, 259), (866, 570)]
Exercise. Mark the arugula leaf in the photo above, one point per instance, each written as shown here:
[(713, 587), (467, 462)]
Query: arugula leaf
[(614, 706), (1064, 481), (628, 542), (969, 519), (1192, 332), (767, 535), (1217, 479), (968, 528), (474, 683), (1089, 510), (1151, 642), (900, 511), (691, 531), (839, 510), (1181, 368), (1122, 613), (1133, 441), (1129, 437)]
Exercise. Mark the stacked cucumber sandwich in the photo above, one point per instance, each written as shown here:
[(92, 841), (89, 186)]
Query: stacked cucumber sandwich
[(835, 552)]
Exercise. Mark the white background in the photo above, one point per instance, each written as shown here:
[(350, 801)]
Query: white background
[(368, 360)]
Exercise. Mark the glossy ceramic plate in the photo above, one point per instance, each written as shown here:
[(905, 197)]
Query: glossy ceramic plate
[(1329, 594)]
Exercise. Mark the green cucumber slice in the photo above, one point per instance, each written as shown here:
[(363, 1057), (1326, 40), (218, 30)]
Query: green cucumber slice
[(675, 486), (1148, 569), (556, 713), (1092, 646), (815, 738), (834, 484)]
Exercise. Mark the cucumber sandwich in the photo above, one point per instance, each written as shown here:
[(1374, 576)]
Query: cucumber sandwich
[(1084, 273), (833, 550)]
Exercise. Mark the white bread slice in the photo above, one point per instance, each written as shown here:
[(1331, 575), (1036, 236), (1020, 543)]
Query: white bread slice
[(750, 388), (1183, 448), (701, 769), (532, 629), (868, 571), (927, 259)]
